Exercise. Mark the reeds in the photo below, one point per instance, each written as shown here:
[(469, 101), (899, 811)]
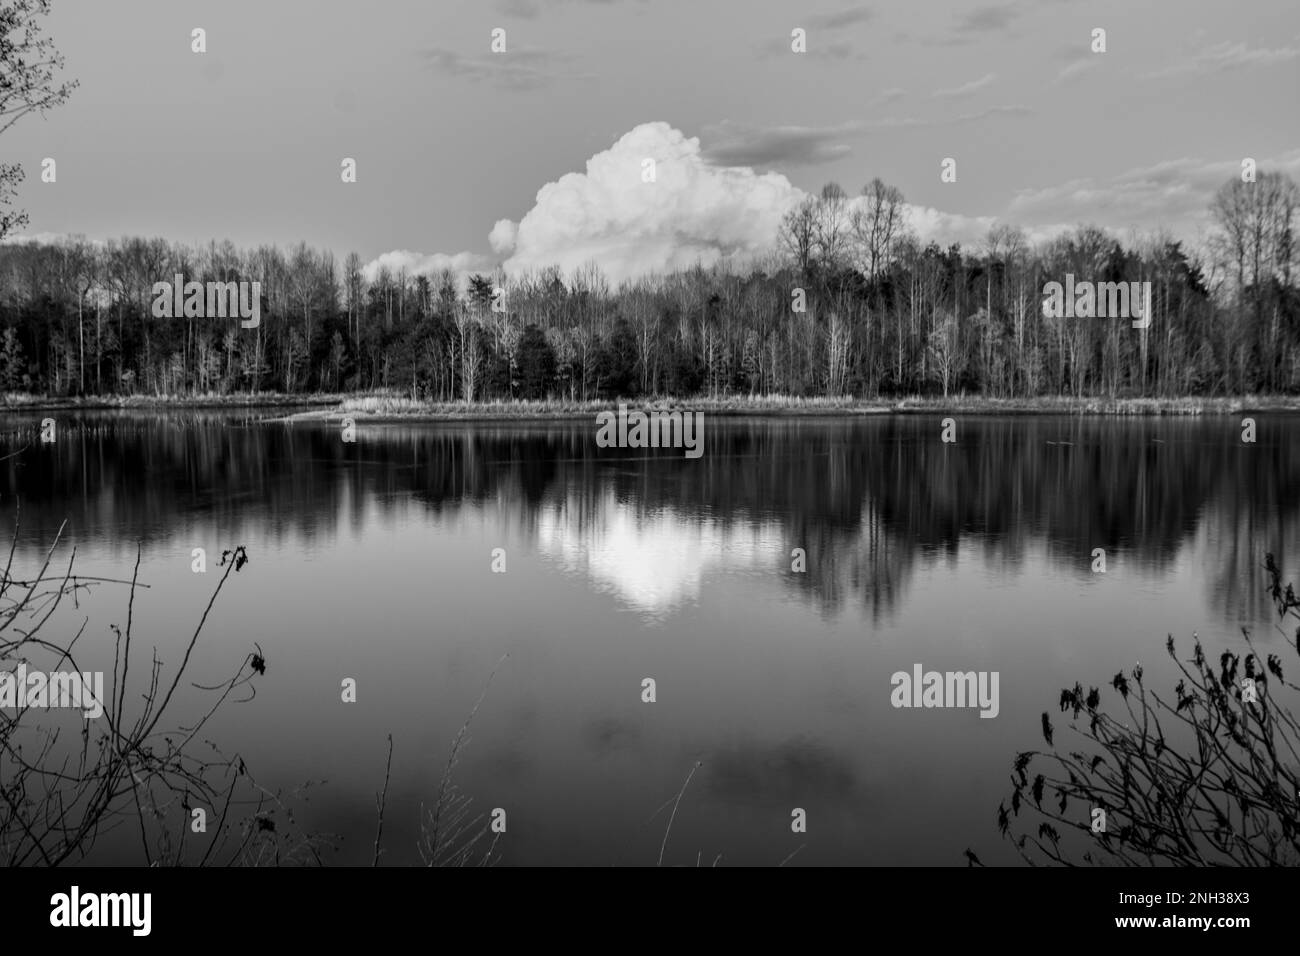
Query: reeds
[(449, 836), (399, 403)]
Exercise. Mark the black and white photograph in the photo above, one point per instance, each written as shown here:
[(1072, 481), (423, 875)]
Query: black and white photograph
[(621, 434)]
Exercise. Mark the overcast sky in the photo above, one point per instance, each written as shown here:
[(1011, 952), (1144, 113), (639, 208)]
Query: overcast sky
[(453, 142)]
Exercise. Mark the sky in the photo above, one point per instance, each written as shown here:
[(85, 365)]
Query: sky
[(469, 158)]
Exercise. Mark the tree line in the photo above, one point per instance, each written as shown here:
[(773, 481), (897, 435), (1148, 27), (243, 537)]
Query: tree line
[(849, 303)]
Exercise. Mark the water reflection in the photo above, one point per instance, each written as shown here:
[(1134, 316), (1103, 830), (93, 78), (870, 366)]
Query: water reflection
[(865, 499), (372, 560)]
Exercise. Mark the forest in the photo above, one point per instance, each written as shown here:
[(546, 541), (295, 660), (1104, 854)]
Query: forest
[(848, 303)]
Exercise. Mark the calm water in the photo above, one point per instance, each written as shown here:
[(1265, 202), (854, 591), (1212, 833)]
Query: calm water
[(373, 561)]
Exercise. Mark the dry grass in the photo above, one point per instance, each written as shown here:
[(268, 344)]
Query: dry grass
[(402, 407), (26, 400), (1059, 404), (448, 834), (398, 404)]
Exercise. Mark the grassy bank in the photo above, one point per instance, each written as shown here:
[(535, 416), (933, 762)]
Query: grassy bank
[(398, 407), (19, 401), (401, 408)]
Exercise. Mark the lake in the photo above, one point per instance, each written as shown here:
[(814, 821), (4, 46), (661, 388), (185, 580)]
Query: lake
[(374, 561)]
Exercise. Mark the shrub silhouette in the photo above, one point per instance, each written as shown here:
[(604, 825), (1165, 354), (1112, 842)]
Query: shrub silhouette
[(66, 782), (1205, 777)]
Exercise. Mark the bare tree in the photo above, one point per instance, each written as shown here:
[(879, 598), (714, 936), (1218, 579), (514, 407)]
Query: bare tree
[(1256, 232), (28, 65), (877, 223), (798, 235), (944, 348), (832, 228)]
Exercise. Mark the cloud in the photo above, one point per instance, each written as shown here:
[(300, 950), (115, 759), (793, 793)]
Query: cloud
[(502, 237), (966, 89), (703, 207), (946, 228), (45, 239), (514, 69), (817, 46), (694, 211), (1015, 109), (835, 50), (1076, 59), (1175, 193), (418, 263), (1226, 56), (706, 206), (988, 19), (651, 563), (789, 146), (739, 144), (839, 19), (821, 40), (1077, 68), (913, 122)]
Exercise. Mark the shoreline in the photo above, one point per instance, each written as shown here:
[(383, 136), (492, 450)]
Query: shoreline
[(380, 408)]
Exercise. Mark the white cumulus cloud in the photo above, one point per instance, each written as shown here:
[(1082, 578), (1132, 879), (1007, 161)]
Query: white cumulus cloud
[(696, 210), (419, 263), (692, 211), (946, 228), (502, 236)]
